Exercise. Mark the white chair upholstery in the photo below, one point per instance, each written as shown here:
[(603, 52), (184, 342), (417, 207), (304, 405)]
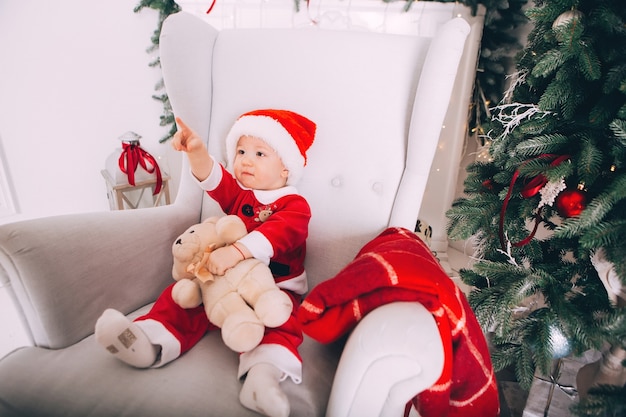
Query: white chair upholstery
[(379, 101), (381, 367)]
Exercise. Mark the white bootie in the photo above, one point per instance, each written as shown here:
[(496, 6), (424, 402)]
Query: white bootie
[(125, 340), (261, 391)]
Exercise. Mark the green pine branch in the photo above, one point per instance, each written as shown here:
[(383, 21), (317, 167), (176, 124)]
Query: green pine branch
[(597, 210), (604, 401)]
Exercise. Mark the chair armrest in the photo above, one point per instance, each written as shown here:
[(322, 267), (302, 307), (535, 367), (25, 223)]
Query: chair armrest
[(65, 270), (429, 110), (186, 49), (393, 354)]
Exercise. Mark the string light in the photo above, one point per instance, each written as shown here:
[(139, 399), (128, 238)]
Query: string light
[(482, 153)]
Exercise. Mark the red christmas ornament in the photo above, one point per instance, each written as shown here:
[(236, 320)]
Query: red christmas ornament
[(570, 203)]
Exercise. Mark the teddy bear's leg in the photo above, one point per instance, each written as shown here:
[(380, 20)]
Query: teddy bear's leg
[(270, 304), (261, 391), (273, 308), (125, 340), (186, 293), (241, 328)]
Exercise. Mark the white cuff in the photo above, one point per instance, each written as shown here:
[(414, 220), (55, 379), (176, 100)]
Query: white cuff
[(158, 335), (213, 180), (299, 284), (259, 246)]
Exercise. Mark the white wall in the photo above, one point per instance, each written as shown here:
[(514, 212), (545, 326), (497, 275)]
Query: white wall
[(74, 76)]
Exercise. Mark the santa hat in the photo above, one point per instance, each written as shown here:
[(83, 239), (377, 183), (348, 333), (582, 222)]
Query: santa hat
[(289, 134)]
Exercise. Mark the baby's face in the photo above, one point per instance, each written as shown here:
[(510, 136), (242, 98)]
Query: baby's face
[(258, 166)]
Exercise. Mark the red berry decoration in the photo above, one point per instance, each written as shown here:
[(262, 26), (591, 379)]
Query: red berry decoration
[(570, 203)]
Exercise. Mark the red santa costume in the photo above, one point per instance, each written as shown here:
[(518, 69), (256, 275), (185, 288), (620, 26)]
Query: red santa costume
[(277, 222)]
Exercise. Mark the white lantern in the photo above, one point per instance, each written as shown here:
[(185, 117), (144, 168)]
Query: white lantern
[(134, 177)]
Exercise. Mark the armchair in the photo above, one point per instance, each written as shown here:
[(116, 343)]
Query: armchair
[(379, 101)]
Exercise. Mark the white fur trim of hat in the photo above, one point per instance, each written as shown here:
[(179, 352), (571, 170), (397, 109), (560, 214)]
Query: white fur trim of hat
[(288, 133)]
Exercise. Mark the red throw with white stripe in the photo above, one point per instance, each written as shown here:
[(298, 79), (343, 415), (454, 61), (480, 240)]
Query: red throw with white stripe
[(398, 266)]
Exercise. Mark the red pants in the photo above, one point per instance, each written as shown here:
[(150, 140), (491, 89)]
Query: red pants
[(188, 326)]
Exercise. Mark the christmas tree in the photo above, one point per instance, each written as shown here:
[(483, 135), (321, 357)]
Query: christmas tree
[(547, 209)]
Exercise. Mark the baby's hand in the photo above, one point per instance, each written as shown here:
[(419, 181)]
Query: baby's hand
[(224, 258), (185, 139)]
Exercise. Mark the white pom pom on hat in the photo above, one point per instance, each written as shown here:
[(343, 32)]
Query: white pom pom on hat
[(288, 133)]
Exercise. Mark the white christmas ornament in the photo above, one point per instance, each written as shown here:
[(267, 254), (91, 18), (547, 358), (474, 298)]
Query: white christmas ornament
[(550, 191), (566, 17), (559, 345), (608, 276)]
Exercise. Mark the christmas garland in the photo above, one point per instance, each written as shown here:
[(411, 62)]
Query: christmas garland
[(498, 45), (165, 8)]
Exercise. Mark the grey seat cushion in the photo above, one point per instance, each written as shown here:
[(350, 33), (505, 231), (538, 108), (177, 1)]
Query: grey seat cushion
[(51, 383)]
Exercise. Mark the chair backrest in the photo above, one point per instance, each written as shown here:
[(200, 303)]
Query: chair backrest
[(379, 101)]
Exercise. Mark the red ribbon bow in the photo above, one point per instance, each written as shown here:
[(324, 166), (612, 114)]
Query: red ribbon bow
[(530, 189), (133, 155)]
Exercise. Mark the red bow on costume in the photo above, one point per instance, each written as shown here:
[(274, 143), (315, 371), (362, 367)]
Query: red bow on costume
[(133, 155)]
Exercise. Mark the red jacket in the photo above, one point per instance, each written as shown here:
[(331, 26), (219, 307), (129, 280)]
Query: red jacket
[(277, 222)]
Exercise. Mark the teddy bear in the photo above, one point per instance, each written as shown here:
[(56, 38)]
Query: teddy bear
[(243, 301)]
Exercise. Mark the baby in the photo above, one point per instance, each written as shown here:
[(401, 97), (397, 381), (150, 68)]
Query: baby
[(266, 153)]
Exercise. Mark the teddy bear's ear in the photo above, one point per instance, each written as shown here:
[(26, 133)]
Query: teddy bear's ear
[(212, 219), (230, 228)]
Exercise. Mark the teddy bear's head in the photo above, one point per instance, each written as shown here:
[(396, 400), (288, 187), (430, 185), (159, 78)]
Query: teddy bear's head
[(189, 247)]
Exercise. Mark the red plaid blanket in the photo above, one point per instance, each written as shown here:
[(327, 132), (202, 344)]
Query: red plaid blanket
[(398, 266)]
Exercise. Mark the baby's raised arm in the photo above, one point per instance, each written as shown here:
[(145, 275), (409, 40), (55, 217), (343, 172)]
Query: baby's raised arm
[(188, 141)]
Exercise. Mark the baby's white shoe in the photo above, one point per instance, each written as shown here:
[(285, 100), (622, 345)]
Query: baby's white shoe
[(261, 391), (125, 340)]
